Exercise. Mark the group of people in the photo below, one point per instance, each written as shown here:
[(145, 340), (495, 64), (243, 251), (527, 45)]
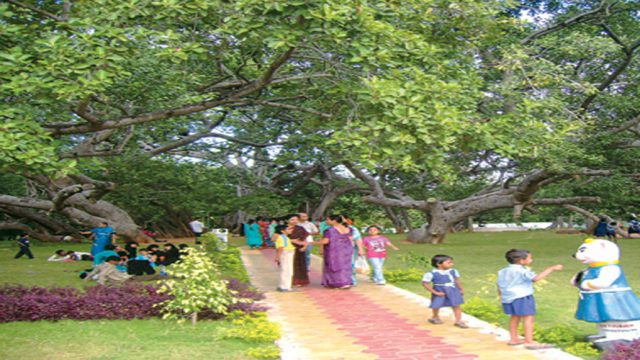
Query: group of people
[(515, 288), (611, 229), (340, 245), (115, 264)]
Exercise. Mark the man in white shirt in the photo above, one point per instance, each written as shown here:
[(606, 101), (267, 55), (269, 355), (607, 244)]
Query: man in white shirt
[(312, 230), (197, 228)]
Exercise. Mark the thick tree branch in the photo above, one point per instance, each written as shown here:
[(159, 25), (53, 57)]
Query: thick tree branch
[(75, 128), (566, 201)]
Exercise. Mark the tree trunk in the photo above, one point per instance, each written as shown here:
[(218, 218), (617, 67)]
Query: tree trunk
[(398, 222), (327, 198)]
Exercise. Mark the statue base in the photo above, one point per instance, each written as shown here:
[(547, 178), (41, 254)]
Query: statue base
[(614, 332)]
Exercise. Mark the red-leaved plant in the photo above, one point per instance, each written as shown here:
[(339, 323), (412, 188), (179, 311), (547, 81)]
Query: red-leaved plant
[(131, 301)]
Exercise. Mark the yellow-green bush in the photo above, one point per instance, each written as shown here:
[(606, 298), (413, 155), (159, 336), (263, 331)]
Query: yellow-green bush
[(410, 274), (486, 310), (252, 327), (264, 352)]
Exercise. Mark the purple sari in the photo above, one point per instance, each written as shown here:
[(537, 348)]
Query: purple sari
[(337, 259)]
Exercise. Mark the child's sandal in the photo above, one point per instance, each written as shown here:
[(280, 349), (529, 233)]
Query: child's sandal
[(435, 321), (461, 325)]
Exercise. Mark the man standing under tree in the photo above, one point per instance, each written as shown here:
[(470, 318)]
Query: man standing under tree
[(102, 236), (312, 230), (24, 247), (197, 228)]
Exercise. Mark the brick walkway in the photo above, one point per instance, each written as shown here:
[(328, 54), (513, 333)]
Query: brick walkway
[(372, 322)]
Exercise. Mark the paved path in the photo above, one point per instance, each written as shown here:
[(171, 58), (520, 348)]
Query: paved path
[(372, 322)]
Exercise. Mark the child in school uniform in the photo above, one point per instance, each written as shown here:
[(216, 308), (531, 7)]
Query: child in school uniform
[(284, 257), (444, 284), (515, 287)]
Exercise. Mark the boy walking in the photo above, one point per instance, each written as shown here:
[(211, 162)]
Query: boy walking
[(24, 247)]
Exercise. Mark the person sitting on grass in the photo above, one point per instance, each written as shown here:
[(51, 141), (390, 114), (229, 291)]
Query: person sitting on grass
[(109, 250), (124, 259), (444, 284), (131, 247), (515, 288), (107, 273), (24, 244), (172, 254)]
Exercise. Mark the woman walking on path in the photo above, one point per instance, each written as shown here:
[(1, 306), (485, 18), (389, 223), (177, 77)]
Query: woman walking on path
[(298, 239), (253, 235), (338, 252)]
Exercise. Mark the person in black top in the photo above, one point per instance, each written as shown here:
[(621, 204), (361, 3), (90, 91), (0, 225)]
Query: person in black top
[(24, 247)]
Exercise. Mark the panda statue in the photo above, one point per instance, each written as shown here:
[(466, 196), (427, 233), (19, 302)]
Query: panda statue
[(605, 295)]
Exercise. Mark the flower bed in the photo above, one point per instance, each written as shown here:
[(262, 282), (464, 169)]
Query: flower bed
[(132, 301)]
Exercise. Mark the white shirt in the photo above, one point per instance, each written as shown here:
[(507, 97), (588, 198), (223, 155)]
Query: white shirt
[(311, 229), (196, 226)]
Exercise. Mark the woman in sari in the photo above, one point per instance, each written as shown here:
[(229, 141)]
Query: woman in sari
[(298, 236), (338, 250), (253, 235)]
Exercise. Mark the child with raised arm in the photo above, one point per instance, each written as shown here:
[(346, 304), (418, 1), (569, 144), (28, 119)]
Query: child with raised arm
[(515, 287), (376, 247), (444, 284)]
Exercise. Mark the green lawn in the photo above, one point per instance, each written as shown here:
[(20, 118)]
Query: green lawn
[(151, 339), (479, 256), (39, 271)]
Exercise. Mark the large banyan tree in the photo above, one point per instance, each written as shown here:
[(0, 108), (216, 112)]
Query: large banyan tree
[(403, 94)]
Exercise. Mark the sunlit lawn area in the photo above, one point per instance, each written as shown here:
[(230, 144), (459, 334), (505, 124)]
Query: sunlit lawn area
[(151, 339), (478, 257)]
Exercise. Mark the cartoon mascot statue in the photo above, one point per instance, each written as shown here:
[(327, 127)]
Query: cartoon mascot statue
[(605, 295)]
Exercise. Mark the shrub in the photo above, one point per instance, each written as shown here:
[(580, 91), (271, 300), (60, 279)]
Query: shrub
[(582, 349), (486, 310), (417, 260), (132, 301), (398, 275), (195, 286), (228, 261), (624, 351), (560, 335), (253, 327), (239, 290), (264, 352)]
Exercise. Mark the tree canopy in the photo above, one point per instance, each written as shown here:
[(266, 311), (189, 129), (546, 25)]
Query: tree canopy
[(453, 108)]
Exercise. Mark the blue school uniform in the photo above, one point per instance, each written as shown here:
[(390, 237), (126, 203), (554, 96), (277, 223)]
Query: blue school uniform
[(516, 290), (444, 281), (615, 303)]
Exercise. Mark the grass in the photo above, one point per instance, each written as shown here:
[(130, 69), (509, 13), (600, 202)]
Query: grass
[(152, 339), (39, 271), (137, 339), (479, 256)]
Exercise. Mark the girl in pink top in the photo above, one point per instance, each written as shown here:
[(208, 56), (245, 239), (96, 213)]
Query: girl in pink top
[(376, 246)]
